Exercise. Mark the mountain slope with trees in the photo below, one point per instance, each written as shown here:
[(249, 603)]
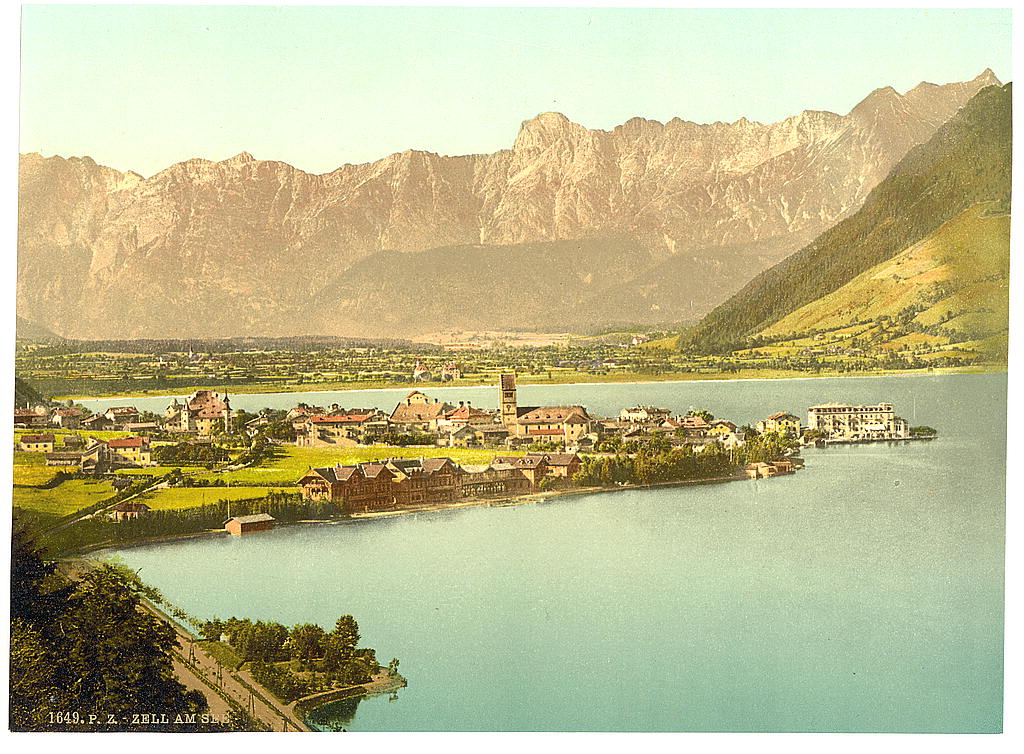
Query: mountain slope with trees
[(966, 162), (952, 286)]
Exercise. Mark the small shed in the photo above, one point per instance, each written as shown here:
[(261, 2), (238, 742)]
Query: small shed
[(759, 470), (126, 510), (249, 524)]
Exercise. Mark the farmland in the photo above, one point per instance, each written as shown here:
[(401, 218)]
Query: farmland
[(180, 498), (292, 462), (67, 497)]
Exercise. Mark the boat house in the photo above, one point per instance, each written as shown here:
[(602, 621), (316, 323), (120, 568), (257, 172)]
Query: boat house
[(249, 524)]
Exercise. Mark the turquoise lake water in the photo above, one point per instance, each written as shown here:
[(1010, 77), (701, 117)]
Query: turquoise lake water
[(864, 593)]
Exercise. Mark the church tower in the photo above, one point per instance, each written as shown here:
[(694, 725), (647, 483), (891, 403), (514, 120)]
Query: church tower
[(508, 399)]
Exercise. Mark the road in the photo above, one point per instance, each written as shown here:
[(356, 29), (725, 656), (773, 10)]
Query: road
[(239, 688)]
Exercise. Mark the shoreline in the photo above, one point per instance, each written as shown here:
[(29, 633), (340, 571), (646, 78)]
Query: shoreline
[(354, 518), (671, 379)]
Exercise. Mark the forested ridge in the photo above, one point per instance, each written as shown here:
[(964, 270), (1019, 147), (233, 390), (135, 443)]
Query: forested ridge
[(966, 162)]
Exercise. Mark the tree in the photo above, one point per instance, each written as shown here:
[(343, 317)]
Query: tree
[(307, 641), (336, 652), (86, 647), (347, 631)]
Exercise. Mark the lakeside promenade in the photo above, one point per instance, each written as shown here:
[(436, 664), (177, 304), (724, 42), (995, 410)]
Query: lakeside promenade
[(227, 689)]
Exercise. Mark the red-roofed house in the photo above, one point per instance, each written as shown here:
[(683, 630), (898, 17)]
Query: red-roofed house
[(344, 428), (36, 443), (130, 450)]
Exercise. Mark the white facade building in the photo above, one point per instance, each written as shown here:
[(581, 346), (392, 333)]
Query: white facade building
[(837, 421)]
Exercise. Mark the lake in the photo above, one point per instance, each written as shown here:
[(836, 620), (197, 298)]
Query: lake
[(864, 593)]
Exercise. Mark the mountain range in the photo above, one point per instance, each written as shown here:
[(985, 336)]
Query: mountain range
[(931, 241), (571, 229)]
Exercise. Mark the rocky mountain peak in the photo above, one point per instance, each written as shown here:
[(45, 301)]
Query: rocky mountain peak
[(987, 78), (226, 247), (544, 129), (242, 158)]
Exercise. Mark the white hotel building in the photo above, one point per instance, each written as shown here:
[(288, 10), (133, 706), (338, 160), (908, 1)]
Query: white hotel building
[(837, 421)]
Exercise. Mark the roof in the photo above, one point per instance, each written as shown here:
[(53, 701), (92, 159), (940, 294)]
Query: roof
[(304, 410), (430, 465), (127, 507), (562, 459), (334, 474), (68, 412), (208, 403), (343, 418), (548, 414), (426, 465), (491, 429), (420, 412), (47, 437), (466, 412), (128, 442), (782, 415), (529, 461), (373, 470), (256, 518), (121, 410), (848, 406)]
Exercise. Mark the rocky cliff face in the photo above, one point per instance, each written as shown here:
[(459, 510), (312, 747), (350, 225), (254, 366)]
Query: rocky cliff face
[(246, 246)]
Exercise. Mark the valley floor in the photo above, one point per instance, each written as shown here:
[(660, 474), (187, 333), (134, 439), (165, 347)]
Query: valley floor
[(578, 378)]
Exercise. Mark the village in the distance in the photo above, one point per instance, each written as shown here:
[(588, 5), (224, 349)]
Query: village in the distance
[(660, 387)]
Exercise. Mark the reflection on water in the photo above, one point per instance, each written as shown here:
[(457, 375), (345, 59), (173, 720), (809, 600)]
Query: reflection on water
[(336, 716)]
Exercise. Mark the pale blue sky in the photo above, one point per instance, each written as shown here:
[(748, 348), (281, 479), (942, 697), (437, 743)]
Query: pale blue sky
[(141, 87)]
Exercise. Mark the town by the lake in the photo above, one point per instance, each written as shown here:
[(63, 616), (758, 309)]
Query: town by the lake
[(540, 370)]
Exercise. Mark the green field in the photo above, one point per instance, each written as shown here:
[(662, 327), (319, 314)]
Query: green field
[(293, 462), (33, 475), (65, 498), (178, 498), (23, 458), (159, 470), (58, 433)]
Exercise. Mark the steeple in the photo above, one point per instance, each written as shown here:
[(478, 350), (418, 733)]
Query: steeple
[(507, 388)]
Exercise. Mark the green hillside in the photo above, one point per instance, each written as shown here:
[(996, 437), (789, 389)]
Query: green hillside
[(966, 162), (951, 286), (26, 395)]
